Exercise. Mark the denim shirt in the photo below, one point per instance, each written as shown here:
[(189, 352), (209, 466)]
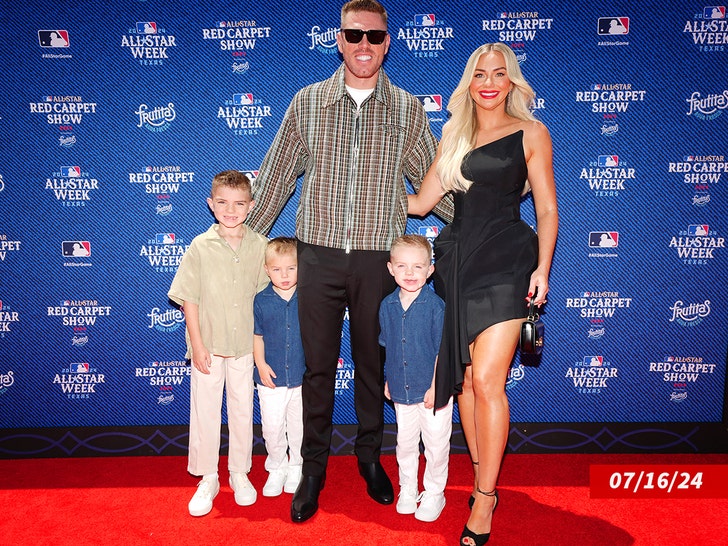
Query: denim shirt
[(412, 340), (277, 321)]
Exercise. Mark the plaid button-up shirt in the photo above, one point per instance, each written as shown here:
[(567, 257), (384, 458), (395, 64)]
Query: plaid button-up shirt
[(355, 162)]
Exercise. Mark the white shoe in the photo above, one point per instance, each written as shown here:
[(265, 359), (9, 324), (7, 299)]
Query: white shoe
[(407, 502), (292, 479), (201, 502), (245, 493), (431, 506), (274, 484)]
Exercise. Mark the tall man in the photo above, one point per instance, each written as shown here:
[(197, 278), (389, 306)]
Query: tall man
[(356, 137)]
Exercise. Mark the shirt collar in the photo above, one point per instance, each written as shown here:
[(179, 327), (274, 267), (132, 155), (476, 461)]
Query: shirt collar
[(335, 88), (422, 297)]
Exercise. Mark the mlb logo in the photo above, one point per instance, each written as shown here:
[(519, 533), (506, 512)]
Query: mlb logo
[(593, 361), (425, 19), (430, 232), (586, 295), (221, 24), (79, 367), (669, 359), (597, 87), (146, 27), (53, 38), (608, 161), (613, 25), (165, 238), (698, 230), (1, 305), (76, 249), (252, 175), (714, 12), (243, 98), (148, 169), (603, 239), (340, 363), (71, 171), (431, 103)]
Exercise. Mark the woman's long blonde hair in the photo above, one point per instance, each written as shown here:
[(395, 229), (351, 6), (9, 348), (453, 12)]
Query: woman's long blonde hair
[(460, 132)]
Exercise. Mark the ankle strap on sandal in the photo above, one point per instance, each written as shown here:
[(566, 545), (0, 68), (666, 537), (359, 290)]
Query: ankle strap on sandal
[(486, 493)]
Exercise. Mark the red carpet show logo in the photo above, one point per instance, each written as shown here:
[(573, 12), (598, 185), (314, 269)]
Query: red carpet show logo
[(162, 181), (63, 109), (597, 307), (702, 172), (165, 374), (7, 245), (522, 26), (610, 100), (238, 38)]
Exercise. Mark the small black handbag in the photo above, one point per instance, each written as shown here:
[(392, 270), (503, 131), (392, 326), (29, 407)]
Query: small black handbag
[(532, 331)]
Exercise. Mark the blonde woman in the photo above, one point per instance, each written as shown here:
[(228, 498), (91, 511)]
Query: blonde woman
[(489, 262)]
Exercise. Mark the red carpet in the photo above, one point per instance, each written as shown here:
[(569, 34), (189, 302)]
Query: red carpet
[(544, 499)]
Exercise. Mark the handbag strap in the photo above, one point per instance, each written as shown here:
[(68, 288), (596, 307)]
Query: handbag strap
[(532, 314)]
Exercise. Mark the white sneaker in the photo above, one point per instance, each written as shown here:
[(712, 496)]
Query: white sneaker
[(431, 506), (245, 493), (292, 479), (407, 502), (201, 502), (274, 484)]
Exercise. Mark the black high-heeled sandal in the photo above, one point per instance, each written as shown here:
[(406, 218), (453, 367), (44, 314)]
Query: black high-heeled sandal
[(468, 538)]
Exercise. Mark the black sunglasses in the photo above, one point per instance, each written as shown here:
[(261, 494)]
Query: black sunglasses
[(354, 35)]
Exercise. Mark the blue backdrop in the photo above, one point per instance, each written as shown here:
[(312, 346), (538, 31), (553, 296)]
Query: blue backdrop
[(116, 117)]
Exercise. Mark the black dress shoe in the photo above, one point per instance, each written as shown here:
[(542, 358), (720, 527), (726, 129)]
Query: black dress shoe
[(305, 499), (379, 487)]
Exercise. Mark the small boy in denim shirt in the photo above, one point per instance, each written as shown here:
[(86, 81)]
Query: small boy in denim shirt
[(411, 328), (279, 367)]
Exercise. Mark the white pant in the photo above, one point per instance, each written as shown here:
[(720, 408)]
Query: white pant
[(281, 416), (235, 376), (413, 420)]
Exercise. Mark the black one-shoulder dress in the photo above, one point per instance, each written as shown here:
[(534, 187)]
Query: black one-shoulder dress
[(484, 259)]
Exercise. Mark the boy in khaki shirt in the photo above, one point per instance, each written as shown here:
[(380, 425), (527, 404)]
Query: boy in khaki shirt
[(215, 284)]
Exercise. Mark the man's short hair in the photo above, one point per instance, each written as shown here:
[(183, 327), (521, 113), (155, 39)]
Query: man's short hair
[(372, 6)]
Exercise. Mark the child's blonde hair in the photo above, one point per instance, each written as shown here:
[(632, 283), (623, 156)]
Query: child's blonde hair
[(231, 179), (280, 246), (413, 241)]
